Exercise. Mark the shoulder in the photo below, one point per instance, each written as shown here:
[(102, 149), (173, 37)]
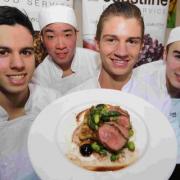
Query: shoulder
[(43, 93), (152, 86), (39, 98), (149, 68), (151, 72), (45, 63), (88, 58), (44, 72), (154, 77), (89, 84)]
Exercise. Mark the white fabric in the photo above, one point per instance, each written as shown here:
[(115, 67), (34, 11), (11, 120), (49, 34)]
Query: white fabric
[(55, 14), (174, 118), (170, 107), (174, 35), (85, 64), (148, 68), (14, 160), (133, 86)]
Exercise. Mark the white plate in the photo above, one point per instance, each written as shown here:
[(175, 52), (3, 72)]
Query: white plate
[(50, 136)]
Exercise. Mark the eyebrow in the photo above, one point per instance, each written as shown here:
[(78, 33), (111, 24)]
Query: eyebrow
[(50, 30), (4, 47), (111, 35), (176, 51), (24, 48), (28, 48)]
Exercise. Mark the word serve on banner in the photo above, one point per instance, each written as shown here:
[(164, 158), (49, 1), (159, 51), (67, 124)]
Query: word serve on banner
[(31, 7)]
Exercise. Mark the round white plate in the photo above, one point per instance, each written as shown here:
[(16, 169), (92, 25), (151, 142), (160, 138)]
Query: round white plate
[(50, 138)]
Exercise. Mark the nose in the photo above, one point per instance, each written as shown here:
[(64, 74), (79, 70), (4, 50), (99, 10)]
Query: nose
[(17, 62), (121, 49), (60, 44)]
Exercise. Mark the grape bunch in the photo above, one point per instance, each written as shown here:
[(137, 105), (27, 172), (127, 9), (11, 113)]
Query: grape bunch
[(152, 50)]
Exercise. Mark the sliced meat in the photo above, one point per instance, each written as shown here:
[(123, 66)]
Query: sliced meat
[(111, 138), (121, 111), (124, 121), (122, 130)]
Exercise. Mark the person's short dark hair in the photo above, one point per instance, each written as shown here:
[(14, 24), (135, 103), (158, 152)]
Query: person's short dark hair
[(12, 16), (124, 9)]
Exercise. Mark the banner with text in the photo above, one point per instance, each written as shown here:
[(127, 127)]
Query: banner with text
[(155, 18), (31, 7)]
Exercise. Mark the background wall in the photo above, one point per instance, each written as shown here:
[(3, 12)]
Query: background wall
[(177, 18), (78, 8), (178, 13)]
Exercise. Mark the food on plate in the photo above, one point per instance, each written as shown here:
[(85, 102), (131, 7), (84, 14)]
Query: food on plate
[(103, 139)]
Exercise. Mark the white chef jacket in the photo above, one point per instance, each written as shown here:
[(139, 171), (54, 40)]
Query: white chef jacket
[(148, 68), (14, 160), (170, 107), (85, 63), (133, 86)]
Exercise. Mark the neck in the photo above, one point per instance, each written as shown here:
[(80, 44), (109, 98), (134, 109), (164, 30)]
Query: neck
[(14, 103), (112, 82), (67, 72), (66, 68)]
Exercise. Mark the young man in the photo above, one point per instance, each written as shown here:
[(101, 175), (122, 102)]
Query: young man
[(66, 66), (20, 102), (119, 39), (166, 81)]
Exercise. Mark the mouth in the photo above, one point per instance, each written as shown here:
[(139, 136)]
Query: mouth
[(61, 55), (17, 79), (120, 62), (177, 76)]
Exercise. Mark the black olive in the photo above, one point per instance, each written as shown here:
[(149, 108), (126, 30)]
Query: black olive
[(86, 150)]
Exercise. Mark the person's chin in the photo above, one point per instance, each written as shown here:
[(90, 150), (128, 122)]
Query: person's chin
[(17, 90)]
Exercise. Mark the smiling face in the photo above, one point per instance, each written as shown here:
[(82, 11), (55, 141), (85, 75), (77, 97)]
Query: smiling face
[(17, 61), (119, 46), (172, 60), (60, 42)]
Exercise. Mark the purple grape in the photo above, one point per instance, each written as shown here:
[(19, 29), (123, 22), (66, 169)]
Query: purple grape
[(152, 50)]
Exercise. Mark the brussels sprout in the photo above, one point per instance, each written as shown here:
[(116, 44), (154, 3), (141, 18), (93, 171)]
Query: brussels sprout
[(130, 132), (96, 147), (131, 145), (114, 157)]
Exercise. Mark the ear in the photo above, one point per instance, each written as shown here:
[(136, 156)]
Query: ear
[(141, 48), (165, 55), (77, 33), (142, 44), (41, 37), (97, 44)]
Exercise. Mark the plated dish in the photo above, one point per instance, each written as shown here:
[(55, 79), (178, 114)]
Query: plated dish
[(103, 139), (51, 140)]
